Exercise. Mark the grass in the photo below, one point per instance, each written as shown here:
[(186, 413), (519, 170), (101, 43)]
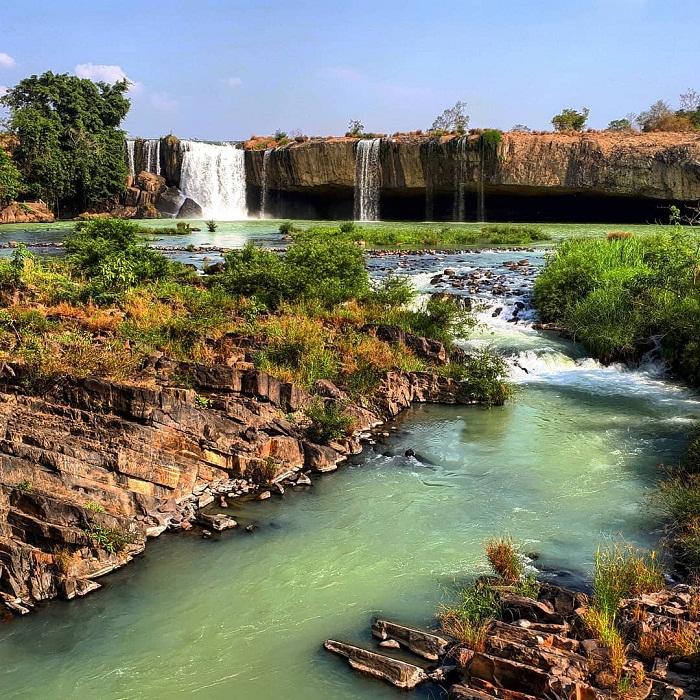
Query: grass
[(680, 641), (386, 235), (468, 619), (505, 559), (328, 421)]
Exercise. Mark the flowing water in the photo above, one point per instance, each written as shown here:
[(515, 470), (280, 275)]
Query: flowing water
[(153, 155), (131, 163), (263, 192), (213, 175), (460, 178), (367, 180), (564, 466)]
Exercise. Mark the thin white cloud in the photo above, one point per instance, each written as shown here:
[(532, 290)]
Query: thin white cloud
[(106, 74), (6, 61), (163, 102), (233, 82)]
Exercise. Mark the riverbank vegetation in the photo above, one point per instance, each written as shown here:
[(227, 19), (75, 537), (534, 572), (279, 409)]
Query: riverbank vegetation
[(306, 316), (623, 297), (409, 236)]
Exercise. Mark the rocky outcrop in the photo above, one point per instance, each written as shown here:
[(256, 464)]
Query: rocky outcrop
[(657, 165), (527, 655), (90, 468), (26, 213)]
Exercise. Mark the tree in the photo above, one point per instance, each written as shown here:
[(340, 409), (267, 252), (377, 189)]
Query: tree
[(624, 124), (10, 179), (355, 128), (660, 117), (570, 119), (453, 119), (690, 101), (70, 147), (521, 128)]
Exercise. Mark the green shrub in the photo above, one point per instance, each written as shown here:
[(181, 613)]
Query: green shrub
[(10, 179), (470, 616), (328, 421), (112, 540), (616, 294), (347, 227), (212, 226), (24, 485), (392, 291), (571, 119)]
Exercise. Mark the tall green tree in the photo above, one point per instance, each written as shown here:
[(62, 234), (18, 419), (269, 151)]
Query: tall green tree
[(10, 179), (71, 146), (570, 119)]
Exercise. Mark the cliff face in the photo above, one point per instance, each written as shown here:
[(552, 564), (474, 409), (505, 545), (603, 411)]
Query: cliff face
[(660, 165), (658, 168), (90, 468)]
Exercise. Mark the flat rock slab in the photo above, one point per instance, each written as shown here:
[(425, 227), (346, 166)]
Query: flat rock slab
[(399, 673), (426, 644)]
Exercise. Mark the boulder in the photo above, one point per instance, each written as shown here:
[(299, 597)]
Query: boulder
[(150, 182), (189, 210), (399, 673), (321, 458), (426, 644), (169, 201), (216, 521)]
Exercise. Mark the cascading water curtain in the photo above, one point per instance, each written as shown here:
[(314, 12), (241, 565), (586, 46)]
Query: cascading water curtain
[(263, 191), (460, 173), (367, 180), (213, 175), (130, 158)]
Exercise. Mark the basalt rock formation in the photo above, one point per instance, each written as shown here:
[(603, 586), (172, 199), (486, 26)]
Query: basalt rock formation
[(522, 176), (542, 649), (90, 468)]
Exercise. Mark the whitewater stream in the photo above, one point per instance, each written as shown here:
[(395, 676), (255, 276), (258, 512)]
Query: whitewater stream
[(563, 467)]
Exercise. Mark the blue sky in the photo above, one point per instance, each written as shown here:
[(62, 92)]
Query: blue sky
[(217, 69)]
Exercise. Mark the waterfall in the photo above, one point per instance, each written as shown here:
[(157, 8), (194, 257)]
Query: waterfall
[(130, 145), (481, 200), (213, 175), (263, 194), (153, 155), (460, 176), (367, 180)]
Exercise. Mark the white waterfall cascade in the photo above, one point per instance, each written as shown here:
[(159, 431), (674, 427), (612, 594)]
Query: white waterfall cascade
[(213, 175), (130, 146), (153, 155), (367, 180), (460, 179), (263, 195)]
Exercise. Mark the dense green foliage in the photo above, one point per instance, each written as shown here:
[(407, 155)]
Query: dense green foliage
[(308, 315), (619, 295), (10, 179), (420, 235), (70, 147), (109, 253), (328, 271), (623, 124), (570, 119)]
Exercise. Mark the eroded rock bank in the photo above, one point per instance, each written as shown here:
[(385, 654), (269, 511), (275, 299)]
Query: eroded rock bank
[(90, 468)]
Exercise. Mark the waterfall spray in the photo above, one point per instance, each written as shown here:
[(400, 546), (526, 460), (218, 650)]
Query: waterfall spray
[(213, 175), (367, 180)]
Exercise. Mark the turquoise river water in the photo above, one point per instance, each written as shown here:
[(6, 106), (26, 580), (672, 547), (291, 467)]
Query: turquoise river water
[(563, 467)]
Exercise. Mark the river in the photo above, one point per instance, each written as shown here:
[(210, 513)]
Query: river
[(563, 467)]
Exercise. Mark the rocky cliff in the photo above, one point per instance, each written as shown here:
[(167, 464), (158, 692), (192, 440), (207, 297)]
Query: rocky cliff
[(90, 468), (26, 213), (632, 171)]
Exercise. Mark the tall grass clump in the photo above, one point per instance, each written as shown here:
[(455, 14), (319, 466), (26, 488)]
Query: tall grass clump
[(621, 295), (468, 618)]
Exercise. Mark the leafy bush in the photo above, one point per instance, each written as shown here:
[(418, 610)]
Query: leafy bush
[(617, 294), (570, 119), (212, 226), (109, 252), (313, 269), (112, 540), (620, 125), (328, 421)]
